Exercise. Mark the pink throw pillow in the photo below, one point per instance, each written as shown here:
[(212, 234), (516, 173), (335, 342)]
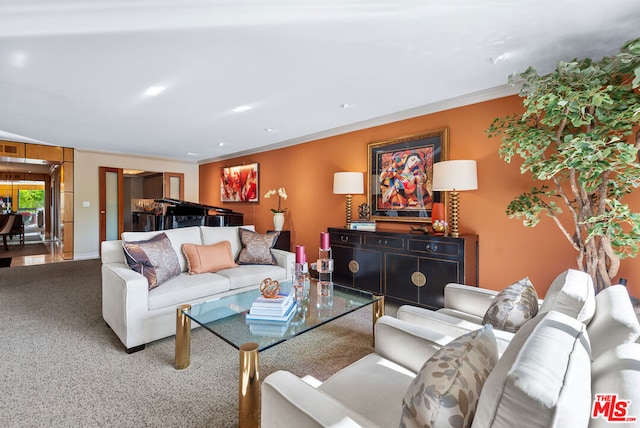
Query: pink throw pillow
[(208, 258)]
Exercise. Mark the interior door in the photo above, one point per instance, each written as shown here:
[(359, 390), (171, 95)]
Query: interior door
[(111, 184), (174, 185)]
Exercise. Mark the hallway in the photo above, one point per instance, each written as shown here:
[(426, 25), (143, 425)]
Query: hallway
[(34, 235)]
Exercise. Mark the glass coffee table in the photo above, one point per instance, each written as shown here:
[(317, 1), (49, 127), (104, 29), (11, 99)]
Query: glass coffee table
[(226, 318)]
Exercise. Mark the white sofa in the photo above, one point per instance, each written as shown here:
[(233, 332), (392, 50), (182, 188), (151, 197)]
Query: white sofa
[(138, 315), (547, 375)]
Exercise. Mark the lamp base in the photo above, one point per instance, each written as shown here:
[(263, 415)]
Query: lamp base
[(453, 231), (348, 212)]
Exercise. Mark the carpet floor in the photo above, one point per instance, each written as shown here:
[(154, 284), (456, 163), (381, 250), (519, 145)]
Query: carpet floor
[(61, 365)]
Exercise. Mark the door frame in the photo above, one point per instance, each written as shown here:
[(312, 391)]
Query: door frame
[(167, 184), (102, 184)]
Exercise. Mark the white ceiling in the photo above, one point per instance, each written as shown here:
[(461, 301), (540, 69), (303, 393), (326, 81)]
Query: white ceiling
[(73, 73)]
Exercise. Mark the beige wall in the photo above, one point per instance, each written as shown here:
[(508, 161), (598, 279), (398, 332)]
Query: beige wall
[(86, 219)]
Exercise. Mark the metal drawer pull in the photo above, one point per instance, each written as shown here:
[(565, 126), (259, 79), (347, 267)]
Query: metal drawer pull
[(432, 248), (354, 266), (382, 242), (344, 238), (419, 279)]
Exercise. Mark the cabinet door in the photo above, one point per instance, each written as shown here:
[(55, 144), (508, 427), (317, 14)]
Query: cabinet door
[(397, 280), (342, 257), (357, 267), (437, 274), (367, 269), (417, 279)]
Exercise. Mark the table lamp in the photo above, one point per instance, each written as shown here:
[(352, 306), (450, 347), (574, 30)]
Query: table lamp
[(348, 183), (453, 176)]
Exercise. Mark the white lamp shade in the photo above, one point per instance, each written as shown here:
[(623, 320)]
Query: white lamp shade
[(345, 183), (455, 175)]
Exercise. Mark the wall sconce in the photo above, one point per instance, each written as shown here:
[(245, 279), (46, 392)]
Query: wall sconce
[(453, 176), (348, 183)]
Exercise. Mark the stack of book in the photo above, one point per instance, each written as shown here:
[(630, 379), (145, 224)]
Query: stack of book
[(268, 328), (280, 308), (367, 225)]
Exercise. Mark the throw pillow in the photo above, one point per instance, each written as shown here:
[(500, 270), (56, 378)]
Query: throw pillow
[(154, 258), (447, 389), (513, 306), (208, 258), (571, 293), (256, 247)]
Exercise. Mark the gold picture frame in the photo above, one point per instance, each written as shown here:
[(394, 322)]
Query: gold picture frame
[(400, 173)]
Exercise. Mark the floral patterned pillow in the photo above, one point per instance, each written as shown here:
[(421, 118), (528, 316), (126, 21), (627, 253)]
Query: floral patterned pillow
[(513, 306), (445, 392)]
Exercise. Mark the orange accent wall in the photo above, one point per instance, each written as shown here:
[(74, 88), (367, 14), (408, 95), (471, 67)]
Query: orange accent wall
[(508, 250)]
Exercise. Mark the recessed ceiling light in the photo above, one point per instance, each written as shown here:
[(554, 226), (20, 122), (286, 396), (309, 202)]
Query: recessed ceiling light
[(345, 105), (220, 144), (18, 59), (240, 109), (192, 154), (269, 130), (154, 90)]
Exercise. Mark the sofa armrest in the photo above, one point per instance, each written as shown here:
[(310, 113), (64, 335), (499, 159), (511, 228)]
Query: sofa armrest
[(285, 259), (125, 296), (468, 299), (112, 252), (449, 322), (407, 344), (288, 401)]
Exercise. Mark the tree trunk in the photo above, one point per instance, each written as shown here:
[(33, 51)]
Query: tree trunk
[(597, 265)]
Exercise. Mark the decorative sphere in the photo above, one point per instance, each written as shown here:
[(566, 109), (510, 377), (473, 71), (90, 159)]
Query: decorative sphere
[(270, 288)]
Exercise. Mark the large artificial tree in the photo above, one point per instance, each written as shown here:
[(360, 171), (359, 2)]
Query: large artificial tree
[(576, 140)]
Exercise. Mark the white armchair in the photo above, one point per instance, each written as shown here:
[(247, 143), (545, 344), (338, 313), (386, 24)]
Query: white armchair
[(374, 400), (577, 348)]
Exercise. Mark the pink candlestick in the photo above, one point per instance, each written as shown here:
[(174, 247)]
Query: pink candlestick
[(324, 240), (300, 255)]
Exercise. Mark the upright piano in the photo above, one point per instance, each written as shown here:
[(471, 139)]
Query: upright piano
[(175, 213)]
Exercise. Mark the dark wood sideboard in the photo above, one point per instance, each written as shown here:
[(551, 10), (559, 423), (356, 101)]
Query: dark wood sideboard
[(408, 268)]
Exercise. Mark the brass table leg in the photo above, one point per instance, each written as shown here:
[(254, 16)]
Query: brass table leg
[(249, 388), (183, 338), (378, 311)]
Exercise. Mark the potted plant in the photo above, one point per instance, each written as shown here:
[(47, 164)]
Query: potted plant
[(575, 138), (278, 213)]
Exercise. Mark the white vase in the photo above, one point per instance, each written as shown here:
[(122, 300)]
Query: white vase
[(278, 221)]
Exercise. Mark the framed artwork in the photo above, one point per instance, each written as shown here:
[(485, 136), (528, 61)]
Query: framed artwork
[(239, 183), (400, 174)]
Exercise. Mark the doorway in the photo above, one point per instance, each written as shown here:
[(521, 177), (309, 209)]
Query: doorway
[(127, 198)]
